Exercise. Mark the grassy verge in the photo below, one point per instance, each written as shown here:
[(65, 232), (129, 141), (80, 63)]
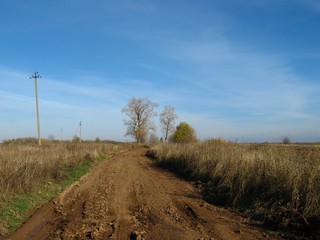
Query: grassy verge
[(15, 211), (274, 184), (31, 176)]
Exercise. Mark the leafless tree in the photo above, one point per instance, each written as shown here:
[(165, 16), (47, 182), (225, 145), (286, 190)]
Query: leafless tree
[(140, 112), (167, 121), (153, 138)]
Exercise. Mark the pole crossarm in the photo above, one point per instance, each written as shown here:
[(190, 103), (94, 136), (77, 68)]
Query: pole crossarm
[(35, 76)]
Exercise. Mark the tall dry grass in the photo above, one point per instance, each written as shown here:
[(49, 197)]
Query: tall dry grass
[(25, 167), (277, 183)]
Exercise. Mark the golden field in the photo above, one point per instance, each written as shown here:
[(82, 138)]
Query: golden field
[(277, 184)]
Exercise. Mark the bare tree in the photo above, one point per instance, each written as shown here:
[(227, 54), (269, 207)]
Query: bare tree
[(140, 112), (167, 121), (153, 138)]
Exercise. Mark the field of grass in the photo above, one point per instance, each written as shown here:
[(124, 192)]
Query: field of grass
[(31, 175), (274, 184)]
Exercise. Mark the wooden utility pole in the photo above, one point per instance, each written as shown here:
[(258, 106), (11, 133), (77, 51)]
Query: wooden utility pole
[(35, 77)]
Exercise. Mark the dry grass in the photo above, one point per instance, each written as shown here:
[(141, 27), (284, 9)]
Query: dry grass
[(25, 167), (275, 183), (31, 175)]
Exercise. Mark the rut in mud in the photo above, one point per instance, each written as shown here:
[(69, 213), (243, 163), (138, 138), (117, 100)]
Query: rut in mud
[(128, 197)]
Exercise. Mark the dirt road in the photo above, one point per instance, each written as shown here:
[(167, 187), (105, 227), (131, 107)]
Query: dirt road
[(128, 197)]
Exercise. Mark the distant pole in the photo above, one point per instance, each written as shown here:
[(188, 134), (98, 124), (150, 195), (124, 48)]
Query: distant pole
[(35, 77), (61, 135), (80, 124)]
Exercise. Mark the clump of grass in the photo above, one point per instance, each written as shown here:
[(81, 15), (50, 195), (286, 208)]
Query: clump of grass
[(30, 174), (275, 183)]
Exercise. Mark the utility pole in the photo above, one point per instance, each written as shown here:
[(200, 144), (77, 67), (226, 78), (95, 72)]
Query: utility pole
[(80, 124), (35, 77)]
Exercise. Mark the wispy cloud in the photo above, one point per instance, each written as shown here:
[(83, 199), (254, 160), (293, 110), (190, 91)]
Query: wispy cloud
[(313, 5), (224, 65), (7, 74), (241, 78), (14, 101)]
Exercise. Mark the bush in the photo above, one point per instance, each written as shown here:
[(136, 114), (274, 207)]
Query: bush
[(286, 140), (217, 141), (184, 134)]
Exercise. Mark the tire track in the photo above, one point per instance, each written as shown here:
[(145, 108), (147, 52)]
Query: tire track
[(128, 197)]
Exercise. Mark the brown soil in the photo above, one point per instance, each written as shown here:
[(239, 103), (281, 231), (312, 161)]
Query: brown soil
[(128, 197)]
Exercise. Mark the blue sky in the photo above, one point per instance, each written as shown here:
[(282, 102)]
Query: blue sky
[(246, 70)]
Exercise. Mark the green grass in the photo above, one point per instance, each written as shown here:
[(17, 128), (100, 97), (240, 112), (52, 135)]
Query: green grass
[(15, 211), (31, 175)]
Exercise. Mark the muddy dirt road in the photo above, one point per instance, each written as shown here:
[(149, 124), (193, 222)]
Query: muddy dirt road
[(128, 197)]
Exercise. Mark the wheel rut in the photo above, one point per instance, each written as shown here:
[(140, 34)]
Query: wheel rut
[(128, 197)]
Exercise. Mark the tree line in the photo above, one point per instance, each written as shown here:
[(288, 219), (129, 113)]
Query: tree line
[(141, 113)]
